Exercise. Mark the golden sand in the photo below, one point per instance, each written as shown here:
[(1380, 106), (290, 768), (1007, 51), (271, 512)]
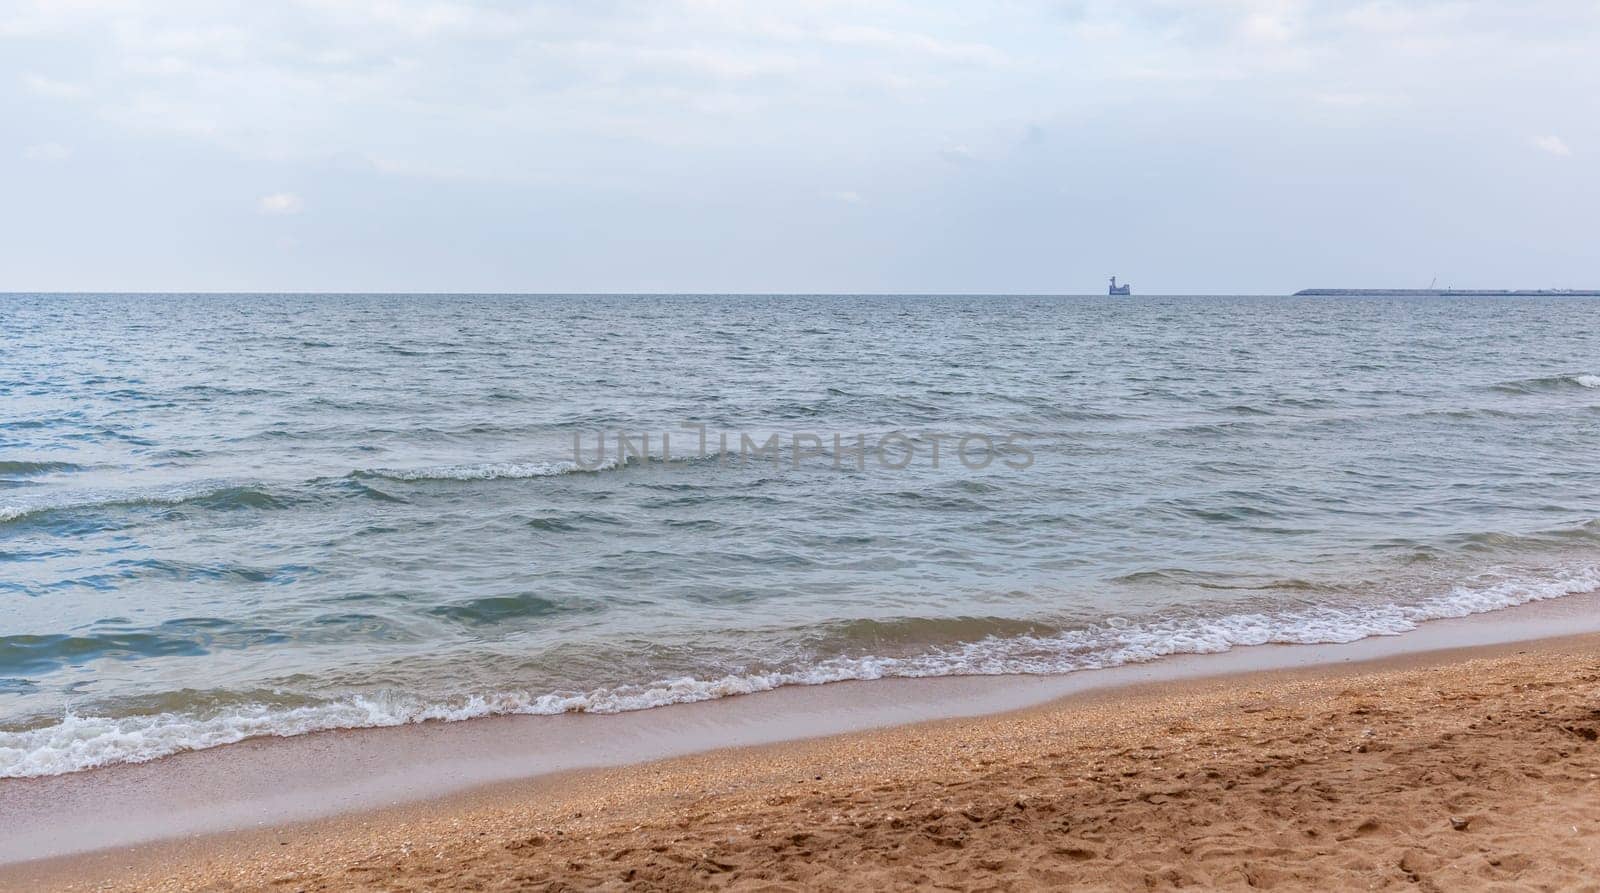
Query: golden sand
[(1440, 772)]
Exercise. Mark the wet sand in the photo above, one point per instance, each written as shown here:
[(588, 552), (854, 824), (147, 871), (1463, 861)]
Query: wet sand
[(1441, 770), (278, 781)]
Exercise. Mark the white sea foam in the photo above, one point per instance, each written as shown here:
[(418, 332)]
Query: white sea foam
[(486, 471), (94, 499), (83, 742), (1588, 381)]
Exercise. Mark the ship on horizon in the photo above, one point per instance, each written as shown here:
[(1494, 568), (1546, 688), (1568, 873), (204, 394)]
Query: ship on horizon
[(1115, 289)]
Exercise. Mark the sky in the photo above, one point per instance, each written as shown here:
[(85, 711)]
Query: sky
[(1187, 146)]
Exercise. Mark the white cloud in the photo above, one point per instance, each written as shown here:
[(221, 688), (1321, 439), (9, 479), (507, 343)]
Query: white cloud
[(51, 87), (1269, 27), (912, 42), (281, 203), (1380, 18), (701, 115), (395, 167), (443, 84), (47, 152), (958, 154), (1555, 145), (619, 94), (1344, 99)]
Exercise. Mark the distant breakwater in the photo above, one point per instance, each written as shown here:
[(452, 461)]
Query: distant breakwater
[(1447, 293)]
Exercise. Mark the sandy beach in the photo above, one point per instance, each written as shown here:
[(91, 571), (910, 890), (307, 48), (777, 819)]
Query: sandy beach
[(1472, 768), (770, 445)]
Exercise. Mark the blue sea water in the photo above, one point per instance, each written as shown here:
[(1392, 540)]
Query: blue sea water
[(233, 515)]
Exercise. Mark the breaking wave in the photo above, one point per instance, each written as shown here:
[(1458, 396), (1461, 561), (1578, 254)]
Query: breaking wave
[(1553, 383), (80, 742), (205, 495), (25, 469), (487, 471)]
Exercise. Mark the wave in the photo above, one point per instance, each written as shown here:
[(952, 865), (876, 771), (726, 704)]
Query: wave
[(486, 471), (490, 471), (492, 610), (1548, 384), (187, 636), (1221, 581), (24, 469), (76, 743), (222, 497)]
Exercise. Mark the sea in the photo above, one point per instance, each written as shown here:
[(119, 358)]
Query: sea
[(242, 515)]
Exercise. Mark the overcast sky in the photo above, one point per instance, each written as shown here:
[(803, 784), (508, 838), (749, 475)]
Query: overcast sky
[(1189, 146)]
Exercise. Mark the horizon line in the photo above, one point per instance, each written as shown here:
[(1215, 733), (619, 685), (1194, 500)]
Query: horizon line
[(667, 294)]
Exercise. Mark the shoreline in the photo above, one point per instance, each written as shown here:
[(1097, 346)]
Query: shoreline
[(266, 787), (1356, 771), (272, 781)]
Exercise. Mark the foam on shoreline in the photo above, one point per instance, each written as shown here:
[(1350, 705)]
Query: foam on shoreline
[(79, 742)]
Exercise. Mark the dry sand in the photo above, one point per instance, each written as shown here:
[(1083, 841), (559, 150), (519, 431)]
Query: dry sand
[(1441, 772)]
